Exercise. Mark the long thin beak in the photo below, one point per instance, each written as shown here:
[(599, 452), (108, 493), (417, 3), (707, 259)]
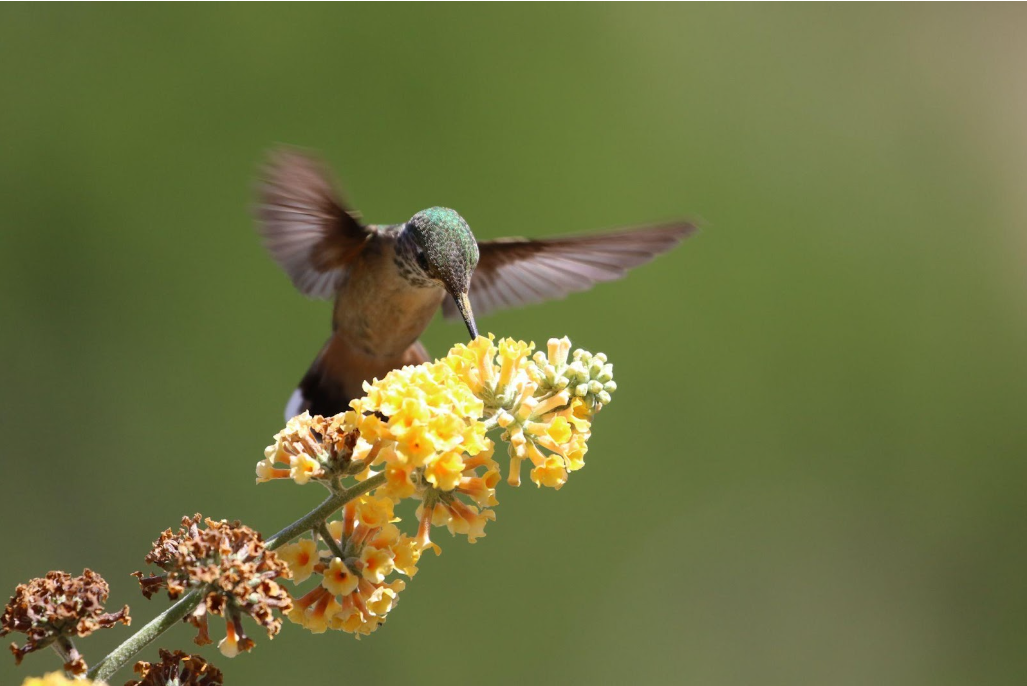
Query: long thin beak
[(464, 305)]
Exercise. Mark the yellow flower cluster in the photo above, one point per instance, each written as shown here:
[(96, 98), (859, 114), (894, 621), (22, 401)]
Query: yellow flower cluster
[(57, 679), (543, 421), (423, 429), (365, 548), (432, 423)]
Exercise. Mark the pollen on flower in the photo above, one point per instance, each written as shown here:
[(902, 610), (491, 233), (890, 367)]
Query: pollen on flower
[(231, 562), (56, 607)]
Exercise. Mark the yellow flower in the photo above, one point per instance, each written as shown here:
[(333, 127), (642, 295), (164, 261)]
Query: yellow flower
[(459, 518), (399, 482), (316, 610), (445, 472), (338, 578), (377, 563), (301, 558), (384, 598), (408, 554), (574, 452), (57, 679), (512, 355), (550, 473), (374, 512), (304, 468)]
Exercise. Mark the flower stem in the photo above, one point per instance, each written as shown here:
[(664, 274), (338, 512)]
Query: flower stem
[(319, 514), (148, 634), (326, 536), (65, 647), (120, 656)]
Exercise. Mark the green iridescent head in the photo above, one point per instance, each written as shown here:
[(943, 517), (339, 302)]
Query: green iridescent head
[(449, 254)]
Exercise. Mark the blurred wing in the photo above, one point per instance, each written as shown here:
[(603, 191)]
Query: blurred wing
[(517, 271), (304, 224)]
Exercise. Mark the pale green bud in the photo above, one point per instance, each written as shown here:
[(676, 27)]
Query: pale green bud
[(577, 371)]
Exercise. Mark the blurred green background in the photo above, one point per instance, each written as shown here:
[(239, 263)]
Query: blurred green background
[(814, 470)]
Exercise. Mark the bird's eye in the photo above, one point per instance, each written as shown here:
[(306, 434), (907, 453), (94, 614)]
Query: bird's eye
[(422, 261)]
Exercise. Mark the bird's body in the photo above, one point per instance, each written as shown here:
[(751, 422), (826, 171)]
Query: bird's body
[(378, 317), (388, 281)]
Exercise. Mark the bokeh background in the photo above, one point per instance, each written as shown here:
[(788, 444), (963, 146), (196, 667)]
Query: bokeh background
[(814, 471)]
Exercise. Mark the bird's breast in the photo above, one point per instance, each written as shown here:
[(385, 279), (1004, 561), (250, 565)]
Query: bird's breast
[(378, 311)]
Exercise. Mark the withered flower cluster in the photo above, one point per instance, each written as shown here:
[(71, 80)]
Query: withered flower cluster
[(319, 448), (177, 669), (56, 607), (230, 561)]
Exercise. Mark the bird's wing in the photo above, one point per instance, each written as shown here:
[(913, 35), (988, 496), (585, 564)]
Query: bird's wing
[(518, 271), (305, 226)]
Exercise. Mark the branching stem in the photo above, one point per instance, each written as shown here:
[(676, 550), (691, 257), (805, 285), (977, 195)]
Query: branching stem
[(314, 519)]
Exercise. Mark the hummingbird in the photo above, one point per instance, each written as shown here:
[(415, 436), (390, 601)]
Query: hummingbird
[(389, 280)]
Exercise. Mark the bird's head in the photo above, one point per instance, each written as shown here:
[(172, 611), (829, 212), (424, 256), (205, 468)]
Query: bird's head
[(447, 252)]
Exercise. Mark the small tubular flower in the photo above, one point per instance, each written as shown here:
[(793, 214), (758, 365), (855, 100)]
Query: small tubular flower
[(301, 558)]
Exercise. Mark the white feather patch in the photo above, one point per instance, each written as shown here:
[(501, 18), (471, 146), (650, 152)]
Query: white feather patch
[(295, 405)]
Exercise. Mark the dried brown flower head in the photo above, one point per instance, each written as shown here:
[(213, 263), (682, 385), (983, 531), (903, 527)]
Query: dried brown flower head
[(230, 561), (318, 448), (177, 669), (56, 607)]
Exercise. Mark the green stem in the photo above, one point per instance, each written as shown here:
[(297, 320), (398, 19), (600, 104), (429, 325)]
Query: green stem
[(326, 536), (147, 635), (322, 512), (120, 656)]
